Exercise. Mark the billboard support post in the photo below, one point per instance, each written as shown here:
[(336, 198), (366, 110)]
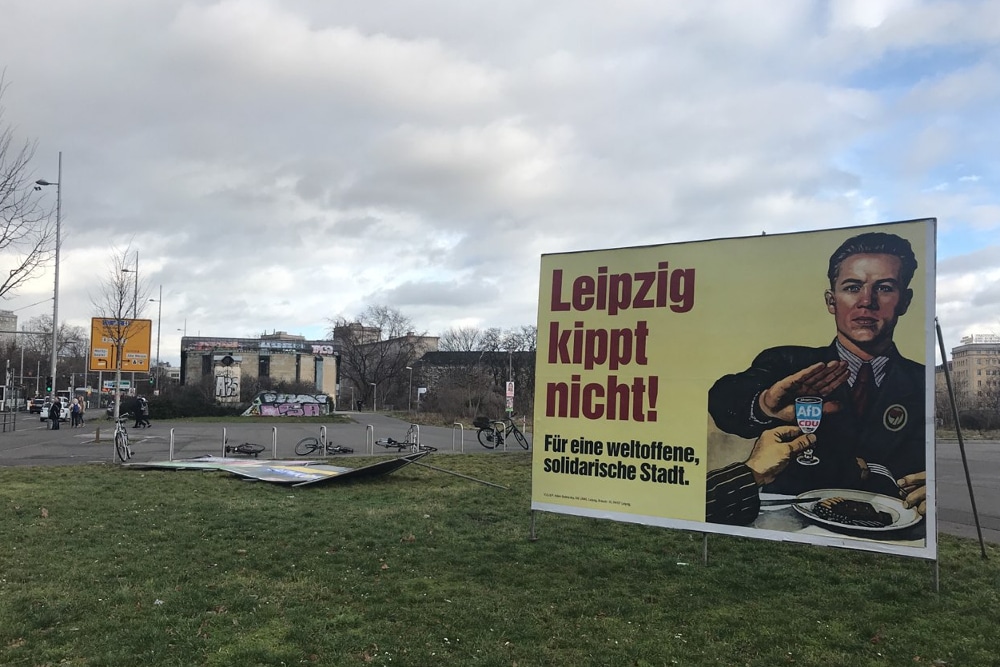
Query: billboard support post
[(961, 441)]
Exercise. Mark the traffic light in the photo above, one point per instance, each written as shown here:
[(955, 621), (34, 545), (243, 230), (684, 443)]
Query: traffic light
[(48, 383), (152, 381)]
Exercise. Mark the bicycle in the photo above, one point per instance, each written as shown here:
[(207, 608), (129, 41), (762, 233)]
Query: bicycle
[(122, 450), (409, 442), (493, 434), (247, 448), (308, 445)]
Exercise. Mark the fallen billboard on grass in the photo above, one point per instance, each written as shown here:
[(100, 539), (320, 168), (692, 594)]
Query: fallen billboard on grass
[(778, 386), (292, 472)]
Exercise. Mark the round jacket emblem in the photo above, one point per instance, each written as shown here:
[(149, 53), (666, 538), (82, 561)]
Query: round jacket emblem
[(894, 418)]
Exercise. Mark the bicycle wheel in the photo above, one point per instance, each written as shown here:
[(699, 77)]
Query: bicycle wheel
[(306, 446), (121, 447), (521, 440), (486, 438)]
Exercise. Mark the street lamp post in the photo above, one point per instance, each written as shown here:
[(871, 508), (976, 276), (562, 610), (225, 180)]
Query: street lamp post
[(135, 307), (135, 289), (55, 289), (159, 319), (374, 395), (409, 388)]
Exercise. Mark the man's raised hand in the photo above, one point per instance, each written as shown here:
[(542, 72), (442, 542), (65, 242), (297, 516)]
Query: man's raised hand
[(820, 379)]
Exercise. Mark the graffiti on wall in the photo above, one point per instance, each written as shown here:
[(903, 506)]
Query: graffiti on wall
[(227, 384), (275, 404)]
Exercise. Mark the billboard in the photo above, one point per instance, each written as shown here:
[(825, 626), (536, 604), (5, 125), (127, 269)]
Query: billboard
[(135, 337), (778, 386)]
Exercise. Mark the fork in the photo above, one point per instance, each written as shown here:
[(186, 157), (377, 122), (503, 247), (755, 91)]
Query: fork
[(880, 469)]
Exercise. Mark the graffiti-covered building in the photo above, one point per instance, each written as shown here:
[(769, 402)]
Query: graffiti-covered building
[(280, 356)]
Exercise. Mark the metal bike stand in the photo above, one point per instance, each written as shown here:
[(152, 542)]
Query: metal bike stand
[(170, 454), (461, 430), (322, 437), (225, 441), (274, 442), (370, 438), (415, 445), (499, 431)]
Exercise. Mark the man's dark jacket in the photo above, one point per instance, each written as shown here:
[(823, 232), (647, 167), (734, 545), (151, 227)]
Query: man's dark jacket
[(891, 432)]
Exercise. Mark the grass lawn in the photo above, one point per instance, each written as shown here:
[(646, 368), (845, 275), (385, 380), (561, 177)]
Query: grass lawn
[(106, 566)]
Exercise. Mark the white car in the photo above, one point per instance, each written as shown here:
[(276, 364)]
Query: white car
[(63, 414)]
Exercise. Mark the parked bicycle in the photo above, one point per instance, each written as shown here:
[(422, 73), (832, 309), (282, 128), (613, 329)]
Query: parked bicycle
[(306, 446), (122, 449), (494, 433)]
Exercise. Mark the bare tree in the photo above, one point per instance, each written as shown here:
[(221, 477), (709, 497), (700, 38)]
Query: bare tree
[(120, 301), (463, 339), (375, 349), (27, 230), (38, 337)]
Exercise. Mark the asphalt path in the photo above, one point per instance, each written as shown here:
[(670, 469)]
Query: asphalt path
[(32, 444)]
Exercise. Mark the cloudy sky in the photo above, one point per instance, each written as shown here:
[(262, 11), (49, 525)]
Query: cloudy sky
[(277, 163)]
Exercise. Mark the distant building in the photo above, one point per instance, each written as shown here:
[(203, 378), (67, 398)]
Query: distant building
[(8, 327), (280, 356), (975, 366)]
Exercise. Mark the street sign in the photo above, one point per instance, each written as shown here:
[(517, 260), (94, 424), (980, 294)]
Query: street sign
[(124, 384), (135, 336)]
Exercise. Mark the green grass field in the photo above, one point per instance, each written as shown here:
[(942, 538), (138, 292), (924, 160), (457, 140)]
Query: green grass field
[(103, 566)]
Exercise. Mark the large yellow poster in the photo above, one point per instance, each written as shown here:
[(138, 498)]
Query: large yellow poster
[(775, 386)]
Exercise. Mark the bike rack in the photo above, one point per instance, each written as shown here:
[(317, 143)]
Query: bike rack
[(322, 437), (461, 430), (414, 446), (274, 442), (502, 430), (225, 441), (170, 455), (370, 438)]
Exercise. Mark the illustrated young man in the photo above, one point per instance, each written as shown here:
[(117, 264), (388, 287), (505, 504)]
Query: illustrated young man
[(871, 434)]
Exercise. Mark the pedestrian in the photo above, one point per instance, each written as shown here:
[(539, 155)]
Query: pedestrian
[(83, 408), (74, 413), (142, 413), (55, 412), (137, 412)]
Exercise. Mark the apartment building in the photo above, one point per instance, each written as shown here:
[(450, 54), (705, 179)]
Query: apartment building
[(975, 366)]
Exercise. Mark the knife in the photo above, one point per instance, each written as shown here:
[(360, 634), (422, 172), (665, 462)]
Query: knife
[(789, 501)]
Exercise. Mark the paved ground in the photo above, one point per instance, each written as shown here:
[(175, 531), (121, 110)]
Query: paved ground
[(33, 444)]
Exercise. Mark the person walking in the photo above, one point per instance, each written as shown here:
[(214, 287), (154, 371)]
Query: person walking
[(74, 413), (55, 412), (141, 413)]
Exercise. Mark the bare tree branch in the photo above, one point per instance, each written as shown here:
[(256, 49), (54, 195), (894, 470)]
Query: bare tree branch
[(27, 230)]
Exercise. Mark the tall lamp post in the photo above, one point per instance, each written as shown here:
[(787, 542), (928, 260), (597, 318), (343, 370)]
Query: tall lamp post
[(159, 318), (39, 184), (135, 289), (135, 308), (409, 388)]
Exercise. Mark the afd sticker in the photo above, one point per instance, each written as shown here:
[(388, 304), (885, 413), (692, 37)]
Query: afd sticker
[(895, 417)]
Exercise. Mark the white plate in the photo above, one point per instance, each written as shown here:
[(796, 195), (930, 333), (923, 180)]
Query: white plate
[(902, 517)]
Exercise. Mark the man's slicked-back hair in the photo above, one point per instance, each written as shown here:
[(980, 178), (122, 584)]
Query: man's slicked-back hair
[(875, 243)]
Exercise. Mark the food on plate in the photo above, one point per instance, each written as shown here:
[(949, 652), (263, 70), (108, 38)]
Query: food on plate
[(851, 513)]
